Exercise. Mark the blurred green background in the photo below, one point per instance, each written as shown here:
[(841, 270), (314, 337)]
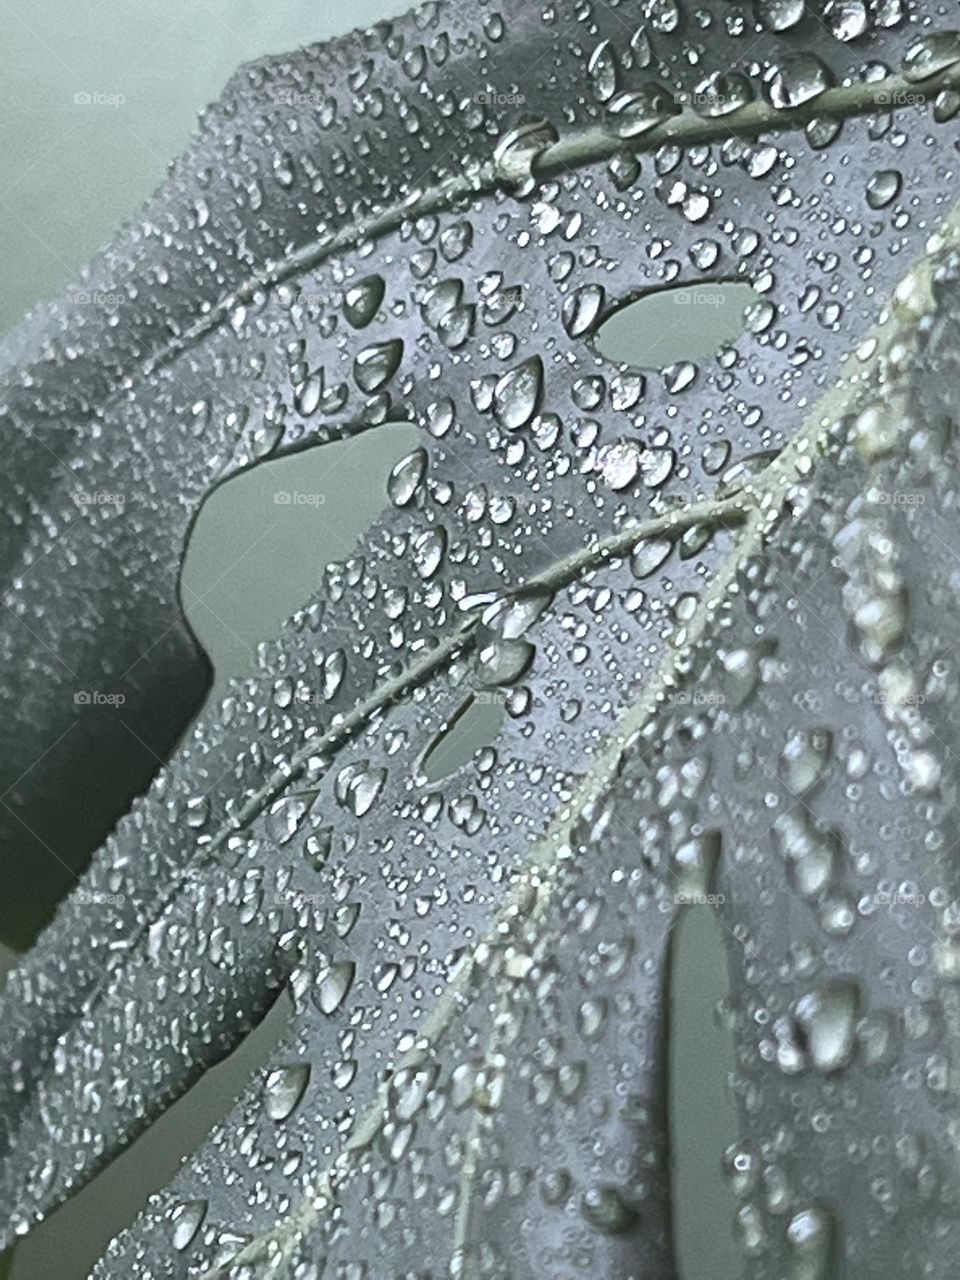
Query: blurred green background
[(71, 172)]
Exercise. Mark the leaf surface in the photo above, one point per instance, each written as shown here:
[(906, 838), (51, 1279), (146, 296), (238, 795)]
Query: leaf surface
[(721, 638)]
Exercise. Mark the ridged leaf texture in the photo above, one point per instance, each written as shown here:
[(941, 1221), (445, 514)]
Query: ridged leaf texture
[(719, 603)]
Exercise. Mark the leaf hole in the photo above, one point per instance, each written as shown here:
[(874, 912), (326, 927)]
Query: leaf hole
[(670, 326), (475, 724), (702, 1115), (260, 544)]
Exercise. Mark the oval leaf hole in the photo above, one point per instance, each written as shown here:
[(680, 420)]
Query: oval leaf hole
[(477, 724), (670, 325)]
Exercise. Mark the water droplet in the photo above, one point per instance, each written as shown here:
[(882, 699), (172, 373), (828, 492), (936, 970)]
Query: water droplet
[(649, 555), (805, 759), (376, 365), (931, 55), (778, 15), (799, 78), (722, 93), (619, 463), (283, 1089), (828, 1019), (581, 309), (517, 394), (307, 397), (429, 549), (187, 1219), (847, 19), (513, 615), (409, 1090), (810, 856), (518, 150), (362, 300), (810, 1239), (406, 477), (606, 1211), (502, 662), (358, 787), (333, 984), (883, 187), (284, 818), (603, 72), (641, 110), (656, 466)]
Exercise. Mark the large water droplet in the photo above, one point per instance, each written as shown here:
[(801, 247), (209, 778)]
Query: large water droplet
[(187, 1219), (362, 300), (582, 309), (406, 476), (799, 78), (847, 19), (778, 15), (641, 110), (883, 187), (810, 1239), (619, 463), (503, 662), (606, 1211), (333, 984), (517, 394), (722, 93), (283, 1089), (828, 1019), (931, 55), (376, 365), (805, 759)]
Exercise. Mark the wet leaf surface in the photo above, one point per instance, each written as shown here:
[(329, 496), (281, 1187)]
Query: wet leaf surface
[(718, 606)]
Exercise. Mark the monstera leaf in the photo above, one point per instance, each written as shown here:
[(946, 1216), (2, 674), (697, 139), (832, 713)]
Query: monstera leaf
[(718, 603)]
